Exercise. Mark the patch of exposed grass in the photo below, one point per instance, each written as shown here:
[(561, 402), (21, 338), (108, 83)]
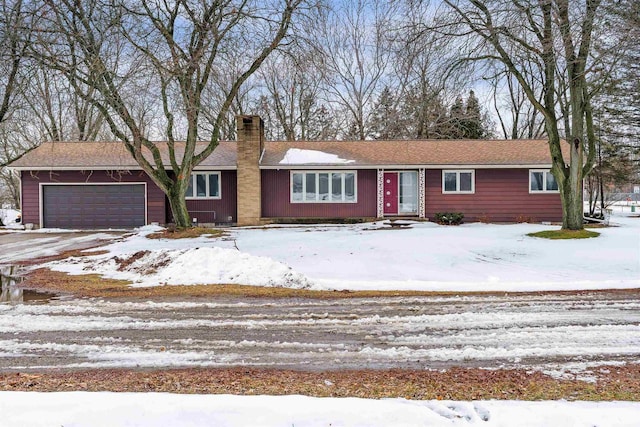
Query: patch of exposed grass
[(93, 285), (621, 383), (186, 233), (564, 234), (596, 225), (85, 285)]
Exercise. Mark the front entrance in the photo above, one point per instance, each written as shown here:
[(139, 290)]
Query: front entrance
[(400, 193)]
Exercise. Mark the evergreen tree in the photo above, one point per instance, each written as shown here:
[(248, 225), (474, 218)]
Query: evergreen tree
[(424, 113), (456, 120), (386, 120), (472, 124), (322, 126)]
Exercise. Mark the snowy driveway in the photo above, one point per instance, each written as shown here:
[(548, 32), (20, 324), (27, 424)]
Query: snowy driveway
[(553, 333), (19, 246)]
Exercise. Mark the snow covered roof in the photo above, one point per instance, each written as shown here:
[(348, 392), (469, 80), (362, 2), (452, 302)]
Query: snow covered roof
[(299, 156), (303, 154)]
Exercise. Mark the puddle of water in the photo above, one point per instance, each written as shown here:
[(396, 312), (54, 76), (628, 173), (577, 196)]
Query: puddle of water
[(9, 279)]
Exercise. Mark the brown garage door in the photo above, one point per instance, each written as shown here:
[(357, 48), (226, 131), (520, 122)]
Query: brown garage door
[(93, 206)]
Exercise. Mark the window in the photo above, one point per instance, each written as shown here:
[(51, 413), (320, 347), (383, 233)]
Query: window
[(542, 181), (458, 181), (206, 185), (323, 187)]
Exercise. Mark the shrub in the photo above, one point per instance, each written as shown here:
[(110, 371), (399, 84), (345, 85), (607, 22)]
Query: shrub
[(484, 218), (520, 219), (449, 218)]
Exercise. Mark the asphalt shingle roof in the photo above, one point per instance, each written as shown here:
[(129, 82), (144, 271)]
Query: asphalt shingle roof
[(113, 155), (110, 155), (420, 152)]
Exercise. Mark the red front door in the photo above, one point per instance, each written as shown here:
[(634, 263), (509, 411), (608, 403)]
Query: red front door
[(391, 193)]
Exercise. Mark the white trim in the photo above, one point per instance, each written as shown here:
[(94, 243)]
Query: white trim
[(352, 166), (117, 168), (42, 184), (380, 193), (214, 168), (544, 182), (458, 172), (21, 199), (206, 173), (422, 193), (304, 185)]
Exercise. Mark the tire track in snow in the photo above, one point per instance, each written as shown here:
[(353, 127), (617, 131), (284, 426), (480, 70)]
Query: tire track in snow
[(546, 332)]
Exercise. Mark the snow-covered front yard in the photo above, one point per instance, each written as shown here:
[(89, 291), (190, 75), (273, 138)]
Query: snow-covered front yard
[(426, 256), (471, 257)]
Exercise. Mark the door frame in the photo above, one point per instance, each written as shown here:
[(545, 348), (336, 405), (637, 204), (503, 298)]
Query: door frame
[(419, 193)]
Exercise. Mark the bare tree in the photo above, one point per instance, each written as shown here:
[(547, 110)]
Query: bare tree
[(517, 117), (292, 83), (353, 38), (14, 39), (117, 54), (616, 104), (13, 42), (558, 35), (428, 73)]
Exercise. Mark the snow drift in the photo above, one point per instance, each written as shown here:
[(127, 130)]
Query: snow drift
[(210, 265)]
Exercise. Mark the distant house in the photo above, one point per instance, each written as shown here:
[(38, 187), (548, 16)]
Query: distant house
[(252, 181)]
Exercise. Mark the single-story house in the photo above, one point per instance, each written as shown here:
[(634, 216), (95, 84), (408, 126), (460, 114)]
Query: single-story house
[(251, 181)]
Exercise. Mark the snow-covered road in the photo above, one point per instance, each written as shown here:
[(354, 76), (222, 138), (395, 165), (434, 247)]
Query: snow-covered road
[(552, 332)]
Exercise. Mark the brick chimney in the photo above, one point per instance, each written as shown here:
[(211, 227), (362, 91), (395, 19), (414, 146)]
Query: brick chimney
[(250, 146)]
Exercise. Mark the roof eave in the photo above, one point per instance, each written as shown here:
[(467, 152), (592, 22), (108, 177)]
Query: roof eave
[(107, 168), (412, 166)]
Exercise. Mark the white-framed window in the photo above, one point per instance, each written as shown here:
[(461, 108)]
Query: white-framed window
[(204, 185), (542, 181), (458, 181), (324, 187)]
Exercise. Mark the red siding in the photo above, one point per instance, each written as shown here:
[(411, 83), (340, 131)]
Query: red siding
[(31, 190), (501, 195), (276, 198), (209, 211)]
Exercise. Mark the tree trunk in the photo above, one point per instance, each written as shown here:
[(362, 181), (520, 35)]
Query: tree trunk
[(601, 191), (178, 206), (572, 209)]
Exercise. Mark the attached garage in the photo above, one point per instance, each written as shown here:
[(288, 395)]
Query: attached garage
[(93, 205)]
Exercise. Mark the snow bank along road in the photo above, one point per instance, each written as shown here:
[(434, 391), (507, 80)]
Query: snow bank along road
[(555, 333)]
